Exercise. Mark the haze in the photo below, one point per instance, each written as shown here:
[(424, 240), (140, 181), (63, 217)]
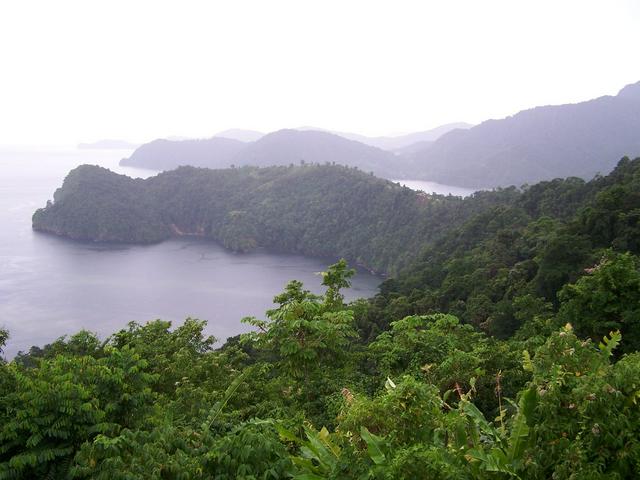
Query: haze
[(79, 71)]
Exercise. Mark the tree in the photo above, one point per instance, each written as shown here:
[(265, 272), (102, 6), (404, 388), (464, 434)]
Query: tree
[(307, 330), (335, 279), (4, 336), (55, 408), (606, 298)]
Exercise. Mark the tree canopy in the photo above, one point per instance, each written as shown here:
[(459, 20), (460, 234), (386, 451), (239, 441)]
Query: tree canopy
[(507, 349)]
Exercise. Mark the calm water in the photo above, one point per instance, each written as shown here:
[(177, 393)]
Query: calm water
[(433, 187), (50, 286)]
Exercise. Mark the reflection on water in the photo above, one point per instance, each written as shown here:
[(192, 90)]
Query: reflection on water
[(433, 187), (50, 286)]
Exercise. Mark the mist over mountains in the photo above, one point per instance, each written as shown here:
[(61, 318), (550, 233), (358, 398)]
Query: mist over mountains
[(541, 143), (162, 154), (399, 142), (240, 134), (284, 147)]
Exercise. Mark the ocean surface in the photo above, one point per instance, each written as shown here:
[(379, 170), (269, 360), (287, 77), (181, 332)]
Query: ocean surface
[(51, 286)]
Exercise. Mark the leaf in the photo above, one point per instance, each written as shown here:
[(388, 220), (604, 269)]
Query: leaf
[(609, 344), (308, 476), (633, 398), (479, 420), (374, 446), (219, 406), (286, 434), (389, 385), (527, 404), (493, 461), (325, 456), (527, 364)]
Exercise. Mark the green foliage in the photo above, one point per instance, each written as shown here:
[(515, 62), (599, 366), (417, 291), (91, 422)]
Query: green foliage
[(336, 278), (504, 453), (66, 401), (587, 419), (106, 206), (251, 451), (169, 354), (423, 345), (163, 452), (4, 336), (307, 331), (319, 454), (302, 209), (493, 388), (607, 298), (79, 344), (441, 351), (417, 411), (502, 268)]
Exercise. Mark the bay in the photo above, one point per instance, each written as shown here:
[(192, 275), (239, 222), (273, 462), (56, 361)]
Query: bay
[(51, 286)]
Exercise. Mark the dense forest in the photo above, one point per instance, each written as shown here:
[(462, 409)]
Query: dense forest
[(322, 210), (507, 349)]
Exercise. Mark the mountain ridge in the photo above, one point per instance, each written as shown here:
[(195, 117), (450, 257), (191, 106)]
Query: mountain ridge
[(541, 143), (283, 147)]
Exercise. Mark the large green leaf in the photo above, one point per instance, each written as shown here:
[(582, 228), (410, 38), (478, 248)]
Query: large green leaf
[(374, 446)]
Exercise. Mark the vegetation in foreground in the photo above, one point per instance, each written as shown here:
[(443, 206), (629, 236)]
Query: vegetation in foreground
[(304, 397), (533, 372)]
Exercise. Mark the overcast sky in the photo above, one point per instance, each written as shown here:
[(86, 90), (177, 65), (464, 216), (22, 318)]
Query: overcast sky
[(84, 70)]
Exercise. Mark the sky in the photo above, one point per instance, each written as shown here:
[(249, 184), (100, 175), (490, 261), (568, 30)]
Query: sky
[(73, 71)]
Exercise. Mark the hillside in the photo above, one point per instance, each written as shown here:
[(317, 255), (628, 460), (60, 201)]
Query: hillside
[(283, 147), (286, 147), (543, 143), (321, 210), (161, 154), (510, 262), (508, 350), (398, 142)]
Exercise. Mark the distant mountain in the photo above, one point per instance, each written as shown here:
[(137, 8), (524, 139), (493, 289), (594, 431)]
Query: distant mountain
[(286, 147), (542, 143), (414, 148), (396, 143), (240, 134), (402, 141), (283, 147), (161, 154), (108, 145)]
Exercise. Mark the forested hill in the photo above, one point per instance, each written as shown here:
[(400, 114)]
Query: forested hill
[(510, 263), (542, 143), (333, 211), (327, 210)]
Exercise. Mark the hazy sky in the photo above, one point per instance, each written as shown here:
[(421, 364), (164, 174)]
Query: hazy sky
[(83, 70)]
